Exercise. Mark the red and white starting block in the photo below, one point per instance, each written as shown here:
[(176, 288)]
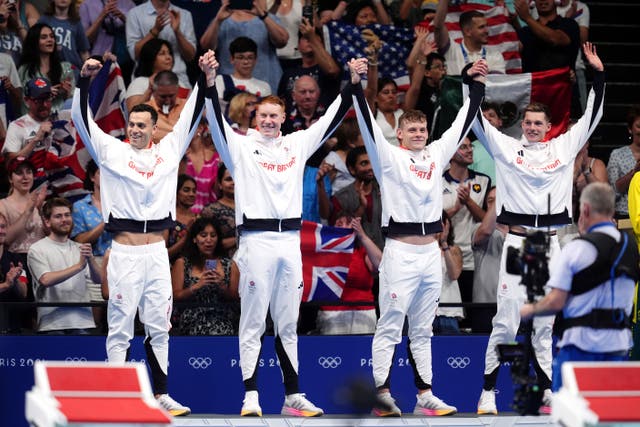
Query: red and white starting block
[(598, 393), (92, 393)]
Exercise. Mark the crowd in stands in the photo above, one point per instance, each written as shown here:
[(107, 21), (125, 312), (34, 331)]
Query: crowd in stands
[(52, 240)]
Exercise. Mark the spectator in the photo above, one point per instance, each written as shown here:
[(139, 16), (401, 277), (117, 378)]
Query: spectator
[(214, 285), (475, 35), (624, 162), (12, 86), (446, 320), (358, 286), (305, 111), (88, 227), (29, 137), (487, 240), (258, 25), (362, 197), (382, 96), (244, 57), (548, 42), (223, 211), (161, 19), (22, 211), (12, 31), (242, 112), (186, 197), (428, 71), (316, 62), (464, 192), (290, 15), (27, 14), (156, 55), (348, 137), (72, 43), (365, 12), (482, 160), (586, 170), (40, 59), (13, 284), (164, 99), (202, 162), (60, 268), (104, 25)]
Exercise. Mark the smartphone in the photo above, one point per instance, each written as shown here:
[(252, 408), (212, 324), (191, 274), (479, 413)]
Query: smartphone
[(241, 4), (210, 264), (307, 12)]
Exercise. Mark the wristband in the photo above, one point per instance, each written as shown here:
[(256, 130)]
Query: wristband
[(421, 62), (446, 249), (587, 172), (263, 17)]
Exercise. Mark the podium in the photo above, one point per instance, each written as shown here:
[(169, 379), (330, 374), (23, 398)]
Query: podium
[(598, 393), (92, 394)]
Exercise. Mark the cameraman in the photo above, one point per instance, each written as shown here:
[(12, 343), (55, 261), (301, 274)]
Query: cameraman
[(595, 303)]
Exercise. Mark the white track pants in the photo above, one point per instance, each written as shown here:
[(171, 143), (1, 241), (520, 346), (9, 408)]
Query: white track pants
[(511, 296), (410, 283), (270, 267), (139, 280)]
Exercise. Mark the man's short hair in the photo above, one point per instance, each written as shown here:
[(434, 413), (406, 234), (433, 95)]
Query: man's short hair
[(538, 107), (242, 44), (466, 18), (271, 99), (600, 197), (165, 78), (56, 202), (434, 56), (412, 116), (352, 156), (144, 108), (488, 105)]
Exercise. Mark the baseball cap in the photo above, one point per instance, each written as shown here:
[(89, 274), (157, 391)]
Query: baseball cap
[(430, 5), (38, 87), (19, 162)]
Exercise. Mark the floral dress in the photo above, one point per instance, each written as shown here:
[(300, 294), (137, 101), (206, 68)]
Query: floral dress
[(217, 315)]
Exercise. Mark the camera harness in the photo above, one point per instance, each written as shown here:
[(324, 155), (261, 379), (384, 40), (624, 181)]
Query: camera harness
[(614, 259)]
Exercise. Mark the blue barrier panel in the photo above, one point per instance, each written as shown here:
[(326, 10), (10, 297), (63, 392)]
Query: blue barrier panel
[(204, 372)]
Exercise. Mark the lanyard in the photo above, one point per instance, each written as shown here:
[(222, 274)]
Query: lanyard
[(465, 55)]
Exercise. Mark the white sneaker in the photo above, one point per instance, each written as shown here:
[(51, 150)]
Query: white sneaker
[(251, 405), (487, 403), (173, 407), (429, 404), (297, 405), (386, 406), (547, 396)]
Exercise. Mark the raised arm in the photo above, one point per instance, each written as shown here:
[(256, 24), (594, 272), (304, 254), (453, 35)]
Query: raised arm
[(91, 134), (321, 130), (221, 132), (439, 27), (580, 132), (474, 75), (548, 35)]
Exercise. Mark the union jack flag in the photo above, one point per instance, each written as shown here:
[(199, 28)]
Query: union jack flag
[(326, 255)]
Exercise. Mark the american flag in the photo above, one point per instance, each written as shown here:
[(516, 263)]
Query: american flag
[(346, 42), (326, 255)]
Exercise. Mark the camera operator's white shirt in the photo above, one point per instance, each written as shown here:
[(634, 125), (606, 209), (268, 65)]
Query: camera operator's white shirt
[(526, 173), (576, 256)]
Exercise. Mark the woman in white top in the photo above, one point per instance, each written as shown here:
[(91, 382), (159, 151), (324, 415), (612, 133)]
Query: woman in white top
[(290, 14)]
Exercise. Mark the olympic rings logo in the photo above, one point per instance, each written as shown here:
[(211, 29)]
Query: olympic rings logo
[(75, 359), (329, 362), (458, 362), (200, 362)]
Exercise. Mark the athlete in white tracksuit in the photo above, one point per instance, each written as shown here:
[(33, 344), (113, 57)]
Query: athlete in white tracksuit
[(528, 170), (267, 169), (138, 181), (410, 178)]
